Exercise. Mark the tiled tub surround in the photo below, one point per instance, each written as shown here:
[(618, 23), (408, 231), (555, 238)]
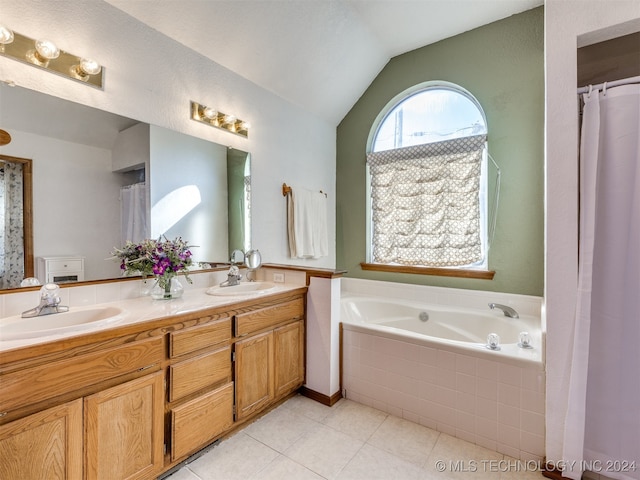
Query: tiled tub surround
[(489, 398)]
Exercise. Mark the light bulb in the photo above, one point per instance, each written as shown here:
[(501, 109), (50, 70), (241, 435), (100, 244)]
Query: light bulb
[(85, 69), (6, 35), (47, 49), (245, 126), (90, 66), (209, 113), (229, 119)]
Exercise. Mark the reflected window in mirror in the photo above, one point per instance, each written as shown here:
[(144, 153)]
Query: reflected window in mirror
[(239, 184), (16, 246)]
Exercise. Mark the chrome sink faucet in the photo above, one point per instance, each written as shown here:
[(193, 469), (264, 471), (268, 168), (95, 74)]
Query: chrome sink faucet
[(233, 277), (508, 311), (49, 302)]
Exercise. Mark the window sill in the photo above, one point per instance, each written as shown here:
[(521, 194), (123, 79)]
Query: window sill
[(442, 272)]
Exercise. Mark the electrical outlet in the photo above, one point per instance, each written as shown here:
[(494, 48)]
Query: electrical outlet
[(278, 277)]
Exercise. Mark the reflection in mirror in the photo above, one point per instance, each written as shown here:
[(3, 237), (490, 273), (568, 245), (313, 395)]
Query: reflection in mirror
[(237, 257), (253, 261), (16, 243), (239, 183), (100, 179), (188, 193)]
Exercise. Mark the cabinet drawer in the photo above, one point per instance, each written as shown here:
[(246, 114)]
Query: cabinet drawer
[(199, 337), (191, 375), (62, 266), (256, 320), (200, 421), (32, 385)]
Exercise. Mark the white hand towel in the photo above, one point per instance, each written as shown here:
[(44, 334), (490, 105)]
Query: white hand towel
[(307, 224)]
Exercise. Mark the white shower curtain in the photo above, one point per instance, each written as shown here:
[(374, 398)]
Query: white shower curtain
[(133, 205), (602, 427)]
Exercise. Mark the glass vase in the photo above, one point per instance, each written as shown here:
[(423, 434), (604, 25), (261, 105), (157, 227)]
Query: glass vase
[(146, 284), (167, 288)]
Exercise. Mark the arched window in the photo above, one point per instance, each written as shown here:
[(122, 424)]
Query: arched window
[(427, 165)]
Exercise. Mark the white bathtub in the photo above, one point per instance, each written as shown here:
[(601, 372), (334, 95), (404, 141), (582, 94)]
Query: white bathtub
[(456, 329), (439, 372)]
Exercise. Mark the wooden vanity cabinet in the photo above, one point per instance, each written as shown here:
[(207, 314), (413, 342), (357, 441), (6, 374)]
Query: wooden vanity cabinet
[(269, 355), (132, 403), (122, 428), (112, 429)]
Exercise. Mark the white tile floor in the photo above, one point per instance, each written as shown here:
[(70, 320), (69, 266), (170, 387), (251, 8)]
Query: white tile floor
[(302, 439)]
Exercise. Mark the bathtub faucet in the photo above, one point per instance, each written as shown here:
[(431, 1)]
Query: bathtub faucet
[(508, 311)]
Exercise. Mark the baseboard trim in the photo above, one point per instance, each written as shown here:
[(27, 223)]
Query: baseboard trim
[(554, 474), (329, 401)]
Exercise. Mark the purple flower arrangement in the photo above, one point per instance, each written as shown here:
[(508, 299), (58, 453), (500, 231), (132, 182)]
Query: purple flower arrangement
[(162, 258)]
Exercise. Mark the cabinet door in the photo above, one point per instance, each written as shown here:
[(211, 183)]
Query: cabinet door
[(289, 357), (124, 430), (254, 374), (47, 444)]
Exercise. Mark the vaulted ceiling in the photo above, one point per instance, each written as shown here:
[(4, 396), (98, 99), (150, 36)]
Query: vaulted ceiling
[(318, 54)]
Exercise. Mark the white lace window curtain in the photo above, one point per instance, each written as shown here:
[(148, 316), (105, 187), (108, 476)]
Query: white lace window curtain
[(425, 203), (12, 234)]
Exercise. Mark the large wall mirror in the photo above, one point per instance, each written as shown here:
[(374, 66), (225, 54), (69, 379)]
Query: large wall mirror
[(100, 179)]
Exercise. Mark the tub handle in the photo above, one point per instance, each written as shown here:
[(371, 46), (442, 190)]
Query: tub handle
[(493, 341)]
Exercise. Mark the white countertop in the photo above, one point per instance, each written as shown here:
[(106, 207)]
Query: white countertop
[(143, 309)]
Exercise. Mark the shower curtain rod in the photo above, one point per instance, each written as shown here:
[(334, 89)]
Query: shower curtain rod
[(614, 83)]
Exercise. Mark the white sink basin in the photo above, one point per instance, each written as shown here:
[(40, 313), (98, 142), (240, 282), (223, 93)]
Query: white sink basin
[(241, 289), (74, 320)]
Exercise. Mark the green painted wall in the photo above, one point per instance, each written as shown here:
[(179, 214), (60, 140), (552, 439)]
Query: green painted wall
[(502, 65)]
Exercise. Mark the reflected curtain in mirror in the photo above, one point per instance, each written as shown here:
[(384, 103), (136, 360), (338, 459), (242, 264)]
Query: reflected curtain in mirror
[(239, 199), (133, 213), (16, 255)]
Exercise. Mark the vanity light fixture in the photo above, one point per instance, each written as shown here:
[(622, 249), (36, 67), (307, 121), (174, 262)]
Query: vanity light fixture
[(45, 54), (215, 118)]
